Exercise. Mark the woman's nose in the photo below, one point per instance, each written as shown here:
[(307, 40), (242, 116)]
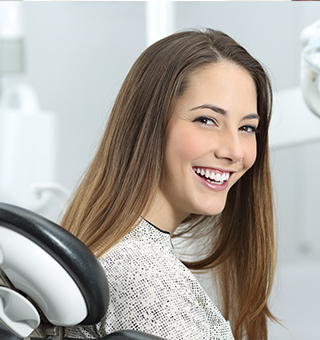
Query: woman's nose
[(229, 147)]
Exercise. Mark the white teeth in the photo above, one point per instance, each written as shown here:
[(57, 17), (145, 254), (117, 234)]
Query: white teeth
[(211, 176)]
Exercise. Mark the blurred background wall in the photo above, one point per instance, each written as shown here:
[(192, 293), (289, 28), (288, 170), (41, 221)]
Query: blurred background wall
[(76, 57)]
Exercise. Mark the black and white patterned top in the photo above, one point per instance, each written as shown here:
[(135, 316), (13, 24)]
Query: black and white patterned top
[(153, 292)]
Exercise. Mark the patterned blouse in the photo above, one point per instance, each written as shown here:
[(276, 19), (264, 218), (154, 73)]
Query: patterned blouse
[(153, 292)]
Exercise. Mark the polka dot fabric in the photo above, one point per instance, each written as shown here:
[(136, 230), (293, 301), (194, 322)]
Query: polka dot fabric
[(153, 292)]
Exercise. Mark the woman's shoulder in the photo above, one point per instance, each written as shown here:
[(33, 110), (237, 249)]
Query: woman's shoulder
[(144, 245), (146, 257)]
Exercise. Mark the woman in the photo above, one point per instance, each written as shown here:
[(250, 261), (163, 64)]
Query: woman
[(182, 155)]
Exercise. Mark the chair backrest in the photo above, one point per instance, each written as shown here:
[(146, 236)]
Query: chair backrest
[(46, 272)]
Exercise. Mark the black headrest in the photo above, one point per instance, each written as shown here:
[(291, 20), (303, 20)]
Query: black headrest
[(66, 249)]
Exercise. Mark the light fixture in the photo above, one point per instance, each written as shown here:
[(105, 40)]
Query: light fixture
[(310, 67)]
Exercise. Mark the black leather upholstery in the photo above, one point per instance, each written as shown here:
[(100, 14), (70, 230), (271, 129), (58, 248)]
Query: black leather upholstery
[(5, 334), (68, 251)]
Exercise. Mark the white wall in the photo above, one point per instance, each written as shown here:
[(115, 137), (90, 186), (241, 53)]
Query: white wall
[(77, 54)]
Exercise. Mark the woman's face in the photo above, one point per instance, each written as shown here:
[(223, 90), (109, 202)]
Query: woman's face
[(210, 143)]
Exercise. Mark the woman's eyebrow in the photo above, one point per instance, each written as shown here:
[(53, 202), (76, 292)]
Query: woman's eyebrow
[(251, 116), (211, 107)]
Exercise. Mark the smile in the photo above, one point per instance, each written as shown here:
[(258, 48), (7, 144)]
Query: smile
[(212, 176)]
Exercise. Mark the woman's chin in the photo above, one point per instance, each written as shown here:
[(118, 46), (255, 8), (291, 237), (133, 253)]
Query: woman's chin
[(215, 208)]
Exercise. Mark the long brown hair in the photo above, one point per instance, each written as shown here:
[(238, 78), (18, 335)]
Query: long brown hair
[(121, 180)]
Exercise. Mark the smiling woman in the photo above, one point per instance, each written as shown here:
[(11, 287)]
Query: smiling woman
[(185, 152)]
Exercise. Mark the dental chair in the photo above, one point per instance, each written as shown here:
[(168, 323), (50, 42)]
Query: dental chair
[(48, 280)]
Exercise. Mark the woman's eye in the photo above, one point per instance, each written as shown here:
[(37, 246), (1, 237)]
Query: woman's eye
[(249, 129), (205, 121)]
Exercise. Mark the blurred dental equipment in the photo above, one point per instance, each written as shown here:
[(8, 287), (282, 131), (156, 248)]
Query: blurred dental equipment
[(310, 67), (11, 37), (27, 134), (27, 147)]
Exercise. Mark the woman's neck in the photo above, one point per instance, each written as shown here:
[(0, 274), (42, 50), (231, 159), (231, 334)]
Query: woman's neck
[(163, 215)]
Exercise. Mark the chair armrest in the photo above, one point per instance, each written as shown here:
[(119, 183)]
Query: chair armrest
[(125, 335), (6, 334)]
